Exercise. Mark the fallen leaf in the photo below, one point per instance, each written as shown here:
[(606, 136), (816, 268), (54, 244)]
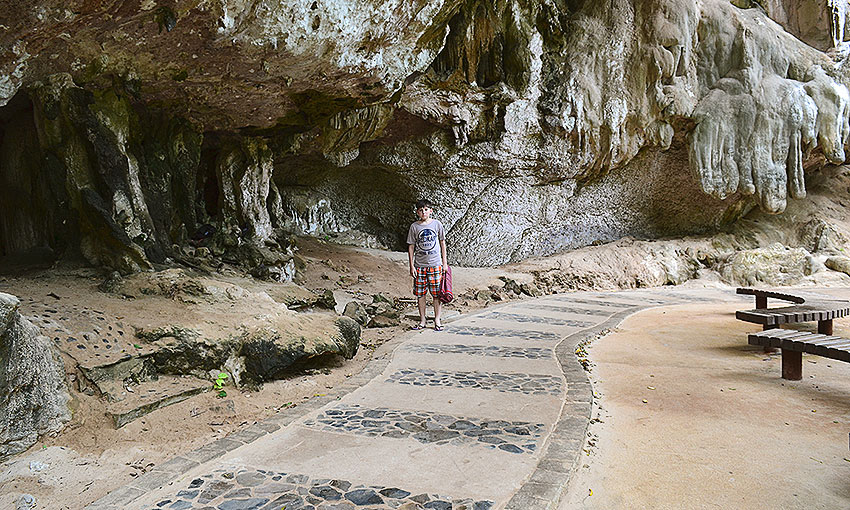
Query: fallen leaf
[(650, 387)]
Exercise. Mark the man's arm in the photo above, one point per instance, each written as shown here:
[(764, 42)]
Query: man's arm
[(410, 260), (443, 254)]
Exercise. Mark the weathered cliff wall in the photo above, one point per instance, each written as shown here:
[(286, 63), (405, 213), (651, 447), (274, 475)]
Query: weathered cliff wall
[(534, 126)]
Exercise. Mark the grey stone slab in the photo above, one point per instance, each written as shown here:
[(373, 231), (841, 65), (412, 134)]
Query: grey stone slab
[(571, 427), (96, 506), (527, 501), (268, 426), (543, 491), (577, 409), (209, 451), (226, 444), (550, 477), (286, 416), (564, 450), (177, 465), (578, 392), (153, 480), (554, 464), (247, 435), (120, 497)]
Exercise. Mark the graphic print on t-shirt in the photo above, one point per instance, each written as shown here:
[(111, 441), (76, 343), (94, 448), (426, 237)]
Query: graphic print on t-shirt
[(427, 241)]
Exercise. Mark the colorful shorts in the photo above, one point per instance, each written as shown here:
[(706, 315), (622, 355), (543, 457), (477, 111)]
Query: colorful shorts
[(427, 278)]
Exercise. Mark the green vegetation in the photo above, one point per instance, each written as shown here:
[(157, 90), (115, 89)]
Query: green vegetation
[(218, 385)]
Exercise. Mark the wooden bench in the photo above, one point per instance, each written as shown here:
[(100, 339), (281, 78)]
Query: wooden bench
[(794, 343), (807, 308)]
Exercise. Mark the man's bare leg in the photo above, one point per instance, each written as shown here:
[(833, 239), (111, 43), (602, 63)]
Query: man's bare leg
[(438, 306), (421, 303)]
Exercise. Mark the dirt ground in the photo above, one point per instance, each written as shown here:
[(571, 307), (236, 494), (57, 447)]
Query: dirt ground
[(90, 457), (690, 416)]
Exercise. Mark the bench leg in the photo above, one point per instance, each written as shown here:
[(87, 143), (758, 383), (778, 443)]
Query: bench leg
[(770, 350), (792, 365), (825, 327), (761, 302)]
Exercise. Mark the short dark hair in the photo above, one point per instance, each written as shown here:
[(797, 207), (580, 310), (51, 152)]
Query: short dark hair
[(424, 203)]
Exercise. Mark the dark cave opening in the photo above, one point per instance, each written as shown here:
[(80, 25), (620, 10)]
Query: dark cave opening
[(208, 182), (31, 221)]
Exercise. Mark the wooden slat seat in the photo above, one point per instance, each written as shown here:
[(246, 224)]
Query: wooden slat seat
[(807, 307), (794, 343), (819, 311), (770, 294)]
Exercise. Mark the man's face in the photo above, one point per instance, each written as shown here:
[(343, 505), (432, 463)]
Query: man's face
[(424, 213)]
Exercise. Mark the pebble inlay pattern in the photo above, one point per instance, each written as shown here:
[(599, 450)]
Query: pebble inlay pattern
[(567, 309), (427, 427), (498, 332), (481, 350), (535, 384), (612, 304), (257, 489), (539, 320)]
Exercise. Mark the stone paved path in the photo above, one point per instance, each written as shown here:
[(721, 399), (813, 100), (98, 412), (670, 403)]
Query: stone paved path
[(490, 413)]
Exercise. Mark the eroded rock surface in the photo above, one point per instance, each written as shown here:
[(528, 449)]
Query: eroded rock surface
[(535, 127), (32, 382)]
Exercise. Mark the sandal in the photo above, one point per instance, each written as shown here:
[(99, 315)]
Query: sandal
[(438, 327), (418, 327)]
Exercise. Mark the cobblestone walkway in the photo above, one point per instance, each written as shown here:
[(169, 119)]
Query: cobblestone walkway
[(491, 412)]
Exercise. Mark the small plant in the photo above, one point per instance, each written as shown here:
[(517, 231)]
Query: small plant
[(218, 385)]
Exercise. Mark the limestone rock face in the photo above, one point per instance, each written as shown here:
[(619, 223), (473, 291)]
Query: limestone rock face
[(262, 338), (819, 23), (535, 127), (32, 382), (773, 265)]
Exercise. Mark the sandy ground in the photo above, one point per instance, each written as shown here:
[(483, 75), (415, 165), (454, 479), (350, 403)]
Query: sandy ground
[(89, 458), (690, 416)]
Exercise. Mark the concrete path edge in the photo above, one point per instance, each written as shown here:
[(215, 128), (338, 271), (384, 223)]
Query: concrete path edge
[(548, 482)]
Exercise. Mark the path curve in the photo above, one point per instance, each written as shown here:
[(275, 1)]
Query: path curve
[(490, 413)]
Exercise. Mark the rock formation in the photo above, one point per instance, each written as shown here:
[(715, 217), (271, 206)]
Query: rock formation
[(33, 395), (535, 127)]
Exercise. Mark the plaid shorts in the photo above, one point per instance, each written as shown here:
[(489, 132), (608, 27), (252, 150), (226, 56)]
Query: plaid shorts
[(427, 278)]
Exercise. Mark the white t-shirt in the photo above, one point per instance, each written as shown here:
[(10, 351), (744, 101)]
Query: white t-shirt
[(425, 239)]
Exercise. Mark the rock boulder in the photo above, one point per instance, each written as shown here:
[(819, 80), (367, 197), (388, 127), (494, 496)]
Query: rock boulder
[(32, 382)]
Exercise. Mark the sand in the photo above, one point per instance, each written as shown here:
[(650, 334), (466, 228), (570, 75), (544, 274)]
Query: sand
[(690, 416)]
